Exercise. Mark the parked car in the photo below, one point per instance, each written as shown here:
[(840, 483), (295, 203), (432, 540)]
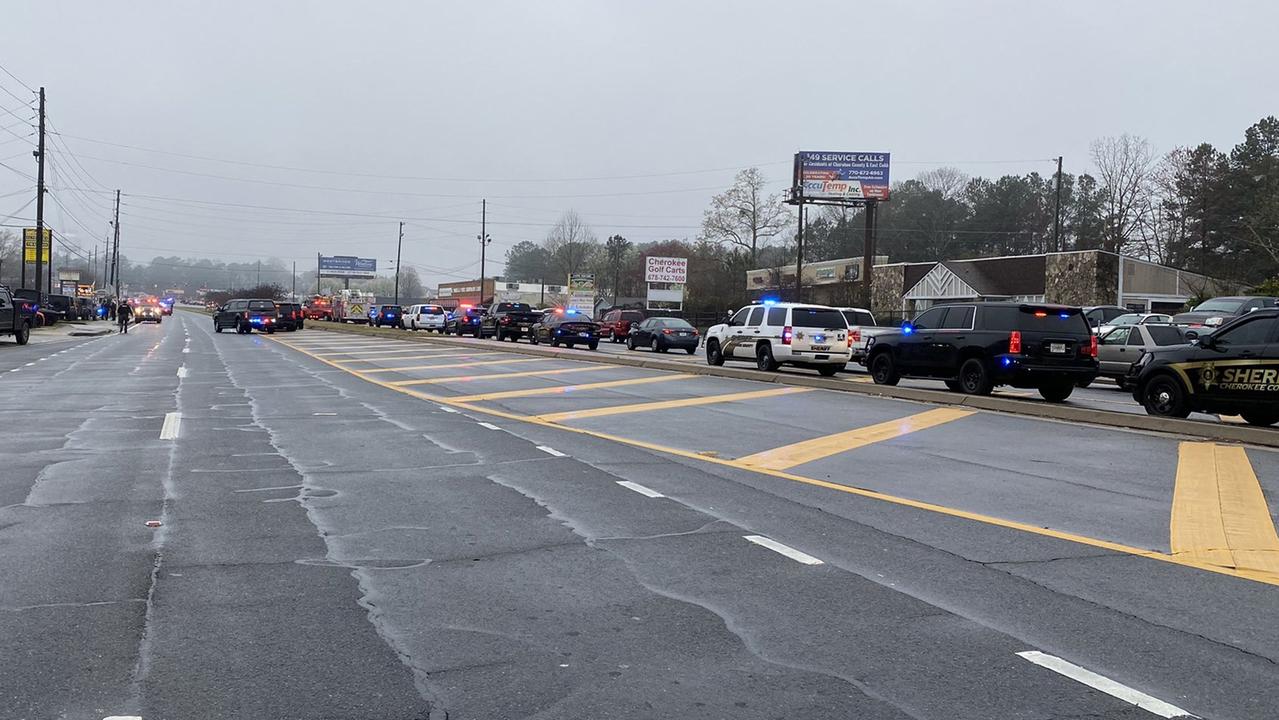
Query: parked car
[(1218, 311), (44, 315), (862, 326), (425, 317), (1098, 315), (464, 320), (661, 334), (1119, 347), (975, 347), (776, 334), (17, 316), (291, 316), (1133, 319), (567, 327), (616, 324), (388, 316), (245, 315), (1232, 371), (508, 320)]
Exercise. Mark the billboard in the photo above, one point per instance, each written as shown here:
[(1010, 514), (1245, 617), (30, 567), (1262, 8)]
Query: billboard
[(29, 245), (346, 266), (842, 175), (581, 293), (666, 270)]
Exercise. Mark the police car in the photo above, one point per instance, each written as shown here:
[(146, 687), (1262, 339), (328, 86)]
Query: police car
[(775, 333), (1232, 371)]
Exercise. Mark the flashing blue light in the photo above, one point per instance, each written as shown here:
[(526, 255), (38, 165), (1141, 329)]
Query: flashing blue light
[(767, 301), (570, 311), (1063, 316), (1007, 361), (906, 329)]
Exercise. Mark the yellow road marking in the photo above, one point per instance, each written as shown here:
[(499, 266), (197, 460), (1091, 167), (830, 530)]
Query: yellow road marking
[(667, 404), (788, 456), (1185, 561), (433, 367), (499, 376), (856, 378), (1219, 513), (569, 388), (397, 351), (347, 361), (421, 367), (1224, 418)]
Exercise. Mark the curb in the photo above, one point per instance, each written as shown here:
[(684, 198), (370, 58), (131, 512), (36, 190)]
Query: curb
[(1263, 437)]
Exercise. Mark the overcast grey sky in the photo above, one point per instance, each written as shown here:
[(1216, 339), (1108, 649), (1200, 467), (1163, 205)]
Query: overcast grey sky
[(507, 100)]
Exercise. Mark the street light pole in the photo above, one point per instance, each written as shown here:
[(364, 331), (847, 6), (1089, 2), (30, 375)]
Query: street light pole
[(398, 245), (484, 239)]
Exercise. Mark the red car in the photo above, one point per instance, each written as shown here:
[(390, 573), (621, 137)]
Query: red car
[(616, 324)]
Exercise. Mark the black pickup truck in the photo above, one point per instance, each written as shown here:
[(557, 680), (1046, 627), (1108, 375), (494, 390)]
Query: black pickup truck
[(509, 321), (16, 316)]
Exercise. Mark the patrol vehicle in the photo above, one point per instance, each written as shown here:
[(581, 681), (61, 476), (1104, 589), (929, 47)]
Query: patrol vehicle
[(775, 334), (1233, 371)]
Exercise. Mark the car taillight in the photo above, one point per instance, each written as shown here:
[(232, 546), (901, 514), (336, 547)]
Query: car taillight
[(506, 319), (246, 312), (854, 336), (1014, 342), (665, 331), (1092, 347), (787, 334)]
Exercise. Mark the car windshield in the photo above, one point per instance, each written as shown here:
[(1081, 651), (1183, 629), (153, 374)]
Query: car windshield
[(672, 323), (824, 318), (1166, 334), (261, 305), (1221, 305), (632, 315), (1127, 319), (859, 317)]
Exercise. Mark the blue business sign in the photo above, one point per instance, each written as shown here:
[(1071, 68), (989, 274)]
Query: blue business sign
[(842, 175), (346, 266)]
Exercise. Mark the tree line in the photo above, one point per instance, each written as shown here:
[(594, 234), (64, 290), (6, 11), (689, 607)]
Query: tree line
[(1196, 208)]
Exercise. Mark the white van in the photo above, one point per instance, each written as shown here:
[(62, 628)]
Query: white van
[(774, 334), (424, 317)]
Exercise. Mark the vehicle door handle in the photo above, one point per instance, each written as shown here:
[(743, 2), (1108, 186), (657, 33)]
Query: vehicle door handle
[(1243, 354), (957, 337)]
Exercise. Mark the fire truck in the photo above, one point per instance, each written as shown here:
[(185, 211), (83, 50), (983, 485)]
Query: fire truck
[(352, 306)]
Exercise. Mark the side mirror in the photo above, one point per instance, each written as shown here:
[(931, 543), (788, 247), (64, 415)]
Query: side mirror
[(1192, 335), (1208, 342)]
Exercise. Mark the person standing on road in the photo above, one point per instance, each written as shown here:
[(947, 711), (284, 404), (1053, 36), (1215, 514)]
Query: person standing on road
[(125, 313)]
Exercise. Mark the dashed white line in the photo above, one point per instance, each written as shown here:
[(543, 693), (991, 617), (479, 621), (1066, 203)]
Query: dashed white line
[(1105, 684), (30, 363), (548, 450), (445, 408), (118, 717), (17, 369), (490, 426), (185, 350), (172, 424), (646, 492), (787, 550), (311, 413), (182, 371)]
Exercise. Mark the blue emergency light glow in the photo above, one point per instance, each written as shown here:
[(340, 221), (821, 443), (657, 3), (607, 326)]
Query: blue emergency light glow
[(767, 301), (1064, 316), (906, 330), (1007, 361), (570, 311)]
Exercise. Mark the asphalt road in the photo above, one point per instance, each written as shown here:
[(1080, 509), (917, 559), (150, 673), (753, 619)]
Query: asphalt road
[(357, 527)]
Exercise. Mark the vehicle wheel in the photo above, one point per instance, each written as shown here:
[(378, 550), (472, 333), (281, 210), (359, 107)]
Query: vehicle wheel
[(270, 331), (654, 346), (690, 351), (594, 344), (1165, 397), (498, 335), (555, 342), (1078, 383), (953, 386), (216, 327), (764, 358), (630, 341), (532, 339), (1057, 391), (883, 370), (974, 377), (23, 333), (1260, 418), (829, 370), (714, 356)]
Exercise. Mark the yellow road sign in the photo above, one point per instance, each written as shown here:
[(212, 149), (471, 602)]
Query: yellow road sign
[(29, 245)]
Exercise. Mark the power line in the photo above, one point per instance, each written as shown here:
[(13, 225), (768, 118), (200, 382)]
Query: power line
[(16, 79)]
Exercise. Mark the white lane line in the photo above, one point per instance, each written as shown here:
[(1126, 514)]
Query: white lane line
[(172, 424), (445, 408), (185, 350), (551, 451), (17, 369), (1105, 684), (646, 492), (787, 550), (311, 413), (30, 363), (182, 371), (490, 426), (115, 717)]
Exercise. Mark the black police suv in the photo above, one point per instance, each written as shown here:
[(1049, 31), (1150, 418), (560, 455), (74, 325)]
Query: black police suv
[(1232, 371), (389, 316), (974, 347), (464, 320), (568, 327)]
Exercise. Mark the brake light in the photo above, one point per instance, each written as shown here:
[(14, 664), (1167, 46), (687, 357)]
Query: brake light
[(246, 312), (854, 336), (1092, 346), (666, 331), (1014, 342), (505, 320), (1040, 314), (787, 334)]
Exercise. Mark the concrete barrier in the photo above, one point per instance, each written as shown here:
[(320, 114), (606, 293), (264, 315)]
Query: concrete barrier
[(1264, 437)]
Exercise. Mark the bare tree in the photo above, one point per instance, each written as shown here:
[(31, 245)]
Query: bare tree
[(744, 215), (1163, 211), (948, 181), (1123, 166), (570, 244)]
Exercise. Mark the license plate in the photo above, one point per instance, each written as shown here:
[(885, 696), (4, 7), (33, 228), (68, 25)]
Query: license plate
[(524, 328), (1058, 348), (821, 348)]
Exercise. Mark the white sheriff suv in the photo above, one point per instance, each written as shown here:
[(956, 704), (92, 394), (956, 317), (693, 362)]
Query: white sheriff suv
[(774, 334)]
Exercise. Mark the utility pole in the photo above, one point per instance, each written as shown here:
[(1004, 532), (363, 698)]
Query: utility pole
[(259, 273), (868, 254), (484, 239), (317, 273), (799, 256), (295, 279), (115, 251), (1057, 211), (398, 245), (40, 201)]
